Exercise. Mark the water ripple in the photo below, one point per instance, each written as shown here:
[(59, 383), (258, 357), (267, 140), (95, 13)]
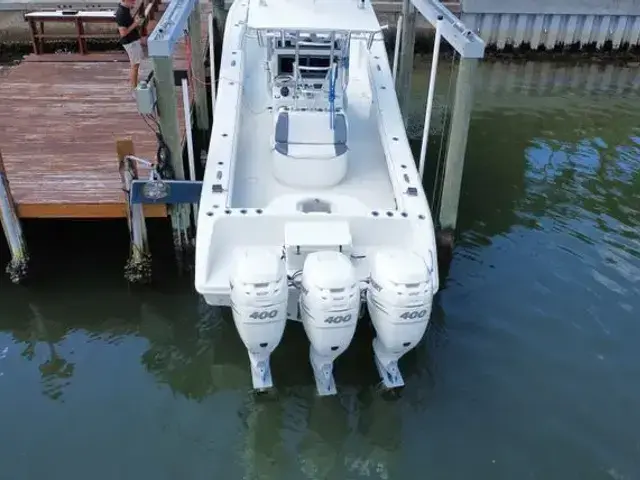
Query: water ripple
[(527, 371)]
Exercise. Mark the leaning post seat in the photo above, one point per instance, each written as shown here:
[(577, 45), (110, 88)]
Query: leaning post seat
[(307, 152)]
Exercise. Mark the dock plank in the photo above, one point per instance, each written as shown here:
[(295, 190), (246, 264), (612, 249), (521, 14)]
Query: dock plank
[(59, 122), (58, 128)]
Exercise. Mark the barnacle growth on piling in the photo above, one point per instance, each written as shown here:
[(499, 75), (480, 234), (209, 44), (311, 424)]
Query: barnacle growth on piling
[(17, 268), (138, 267)]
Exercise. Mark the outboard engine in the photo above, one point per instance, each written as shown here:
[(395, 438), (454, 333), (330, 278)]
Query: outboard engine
[(259, 297), (329, 307), (399, 300)]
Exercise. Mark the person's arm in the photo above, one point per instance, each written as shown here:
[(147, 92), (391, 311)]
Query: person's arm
[(124, 31)]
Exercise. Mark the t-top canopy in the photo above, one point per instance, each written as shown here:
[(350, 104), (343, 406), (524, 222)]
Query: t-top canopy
[(313, 15)]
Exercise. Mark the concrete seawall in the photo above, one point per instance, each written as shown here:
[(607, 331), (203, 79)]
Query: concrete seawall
[(557, 25), (553, 24), (13, 28), (541, 24)]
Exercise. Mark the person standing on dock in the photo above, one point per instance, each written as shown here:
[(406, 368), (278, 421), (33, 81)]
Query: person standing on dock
[(130, 37)]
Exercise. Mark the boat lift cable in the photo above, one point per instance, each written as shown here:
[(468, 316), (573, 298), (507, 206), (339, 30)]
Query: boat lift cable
[(163, 154), (146, 119), (163, 159)]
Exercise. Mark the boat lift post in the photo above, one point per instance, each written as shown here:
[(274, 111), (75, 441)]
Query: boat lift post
[(161, 43), (198, 70), (167, 111), (407, 43), (220, 14), (470, 47), (456, 150)]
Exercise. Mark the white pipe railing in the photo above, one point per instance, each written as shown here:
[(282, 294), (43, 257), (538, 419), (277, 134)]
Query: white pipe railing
[(212, 63), (396, 50), (432, 87), (189, 132)]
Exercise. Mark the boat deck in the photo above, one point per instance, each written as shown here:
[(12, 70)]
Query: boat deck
[(60, 118), (255, 185)]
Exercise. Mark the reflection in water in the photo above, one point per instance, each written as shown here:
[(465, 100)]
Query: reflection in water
[(263, 454), (37, 342), (527, 370), (320, 454), (380, 425), (56, 371), (181, 354)]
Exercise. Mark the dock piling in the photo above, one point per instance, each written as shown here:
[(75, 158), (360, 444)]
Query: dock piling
[(220, 14), (17, 266), (138, 266), (408, 40), (198, 71), (167, 111), (181, 223), (456, 150), (183, 227)]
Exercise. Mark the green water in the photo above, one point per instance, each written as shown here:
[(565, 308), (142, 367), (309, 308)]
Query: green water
[(530, 369)]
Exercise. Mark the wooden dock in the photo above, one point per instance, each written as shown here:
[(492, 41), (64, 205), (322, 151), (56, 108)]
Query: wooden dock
[(60, 118)]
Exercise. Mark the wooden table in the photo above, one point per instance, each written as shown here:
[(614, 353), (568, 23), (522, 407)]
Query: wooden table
[(79, 18), (146, 8)]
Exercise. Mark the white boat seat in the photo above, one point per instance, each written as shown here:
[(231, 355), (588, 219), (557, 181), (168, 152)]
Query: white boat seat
[(308, 152)]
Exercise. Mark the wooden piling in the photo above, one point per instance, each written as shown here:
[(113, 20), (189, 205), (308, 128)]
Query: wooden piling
[(220, 15), (198, 71), (184, 234), (17, 267), (405, 68), (167, 113), (454, 161), (457, 144), (138, 266)]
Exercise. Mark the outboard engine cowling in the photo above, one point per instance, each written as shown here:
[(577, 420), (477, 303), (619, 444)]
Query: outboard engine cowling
[(329, 307), (259, 297), (399, 300)]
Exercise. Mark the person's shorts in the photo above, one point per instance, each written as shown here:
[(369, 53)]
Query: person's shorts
[(135, 52)]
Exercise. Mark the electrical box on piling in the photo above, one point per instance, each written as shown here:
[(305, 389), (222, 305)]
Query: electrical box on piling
[(145, 97)]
